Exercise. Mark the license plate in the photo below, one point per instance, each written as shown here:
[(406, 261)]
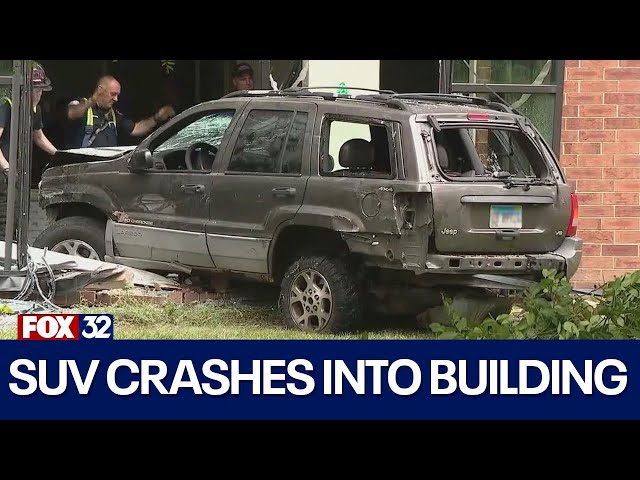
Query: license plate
[(505, 216)]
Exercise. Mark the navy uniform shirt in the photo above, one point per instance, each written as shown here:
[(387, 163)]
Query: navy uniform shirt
[(107, 137), (5, 124)]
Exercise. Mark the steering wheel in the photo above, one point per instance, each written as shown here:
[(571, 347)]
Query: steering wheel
[(198, 164)]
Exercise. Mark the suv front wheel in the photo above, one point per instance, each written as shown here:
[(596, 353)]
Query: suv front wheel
[(321, 294), (77, 236)]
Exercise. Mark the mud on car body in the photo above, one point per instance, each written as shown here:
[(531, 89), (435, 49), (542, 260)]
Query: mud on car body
[(380, 201)]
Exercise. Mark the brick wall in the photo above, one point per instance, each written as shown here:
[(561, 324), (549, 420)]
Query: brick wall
[(601, 156)]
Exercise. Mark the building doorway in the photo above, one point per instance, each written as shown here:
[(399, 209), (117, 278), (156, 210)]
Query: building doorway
[(410, 76)]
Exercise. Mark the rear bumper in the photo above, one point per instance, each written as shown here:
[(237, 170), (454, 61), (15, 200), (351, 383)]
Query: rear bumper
[(565, 259)]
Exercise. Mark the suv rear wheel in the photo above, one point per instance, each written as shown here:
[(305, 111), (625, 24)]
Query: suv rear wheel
[(321, 294), (78, 236)]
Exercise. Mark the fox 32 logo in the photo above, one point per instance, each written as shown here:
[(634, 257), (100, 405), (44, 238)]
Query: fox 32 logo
[(50, 326)]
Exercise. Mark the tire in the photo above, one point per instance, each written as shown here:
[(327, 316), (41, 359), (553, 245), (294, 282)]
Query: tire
[(343, 295), (82, 232)]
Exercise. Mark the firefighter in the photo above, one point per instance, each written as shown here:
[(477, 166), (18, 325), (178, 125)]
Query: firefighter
[(95, 122), (40, 83)]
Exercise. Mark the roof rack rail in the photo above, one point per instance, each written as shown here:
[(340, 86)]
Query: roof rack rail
[(280, 93), (337, 87), (395, 100)]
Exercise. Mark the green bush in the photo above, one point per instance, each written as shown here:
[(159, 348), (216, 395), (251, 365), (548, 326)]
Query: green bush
[(550, 310)]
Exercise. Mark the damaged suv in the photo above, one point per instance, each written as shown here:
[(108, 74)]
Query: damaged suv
[(380, 201)]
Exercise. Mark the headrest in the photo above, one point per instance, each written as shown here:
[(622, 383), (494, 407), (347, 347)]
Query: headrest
[(356, 153), (443, 156)]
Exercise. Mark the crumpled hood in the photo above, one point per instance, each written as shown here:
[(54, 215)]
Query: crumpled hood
[(105, 152)]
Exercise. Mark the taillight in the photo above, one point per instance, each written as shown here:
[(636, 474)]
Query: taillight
[(572, 229)]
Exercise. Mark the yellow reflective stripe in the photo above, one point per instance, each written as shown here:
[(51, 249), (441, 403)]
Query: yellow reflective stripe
[(8, 101), (90, 117)]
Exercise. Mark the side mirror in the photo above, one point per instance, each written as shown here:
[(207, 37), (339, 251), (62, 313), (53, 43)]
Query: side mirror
[(141, 160)]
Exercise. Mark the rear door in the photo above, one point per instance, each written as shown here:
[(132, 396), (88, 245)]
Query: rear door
[(499, 190)]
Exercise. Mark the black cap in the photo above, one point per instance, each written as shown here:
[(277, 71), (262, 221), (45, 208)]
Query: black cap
[(242, 68)]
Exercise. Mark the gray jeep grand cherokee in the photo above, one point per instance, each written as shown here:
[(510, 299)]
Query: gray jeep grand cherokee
[(379, 201)]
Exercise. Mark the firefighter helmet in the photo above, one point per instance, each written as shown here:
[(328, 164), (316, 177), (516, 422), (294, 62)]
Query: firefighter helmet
[(39, 79)]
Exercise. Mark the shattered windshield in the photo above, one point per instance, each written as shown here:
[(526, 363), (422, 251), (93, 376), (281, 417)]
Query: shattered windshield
[(489, 153), (209, 129)]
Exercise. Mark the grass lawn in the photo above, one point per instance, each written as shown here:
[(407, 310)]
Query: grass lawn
[(222, 320)]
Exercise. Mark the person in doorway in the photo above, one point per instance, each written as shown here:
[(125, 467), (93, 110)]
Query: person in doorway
[(242, 77), (94, 121), (39, 83)]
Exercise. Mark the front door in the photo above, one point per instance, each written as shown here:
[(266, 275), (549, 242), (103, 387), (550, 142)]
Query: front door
[(261, 185), (166, 208)]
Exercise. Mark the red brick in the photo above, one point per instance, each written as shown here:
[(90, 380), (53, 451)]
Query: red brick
[(621, 199), (627, 185), (584, 98), (595, 186), (583, 172), (573, 184), (571, 136), (592, 249), (595, 160), (175, 296), (628, 111), (621, 123), (630, 263), (570, 111), (629, 86), (596, 262), (620, 250), (611, 275), (598, 86), (621, 98), (190, 296), (628, 136), (589, 223), (627, 237), (598, 110), (595, 136), (590, 198), (626, 160), (620, 148), (106, 298), (627, 210), (571, 86), (89, 296), (627, 73), (620, 224), (584, 74), (569, 160), (591, 148), (585, 123), (629, 63), (595, 236), (571, 64), (619, 172), (596, 211), (589, 275), (599, 63)]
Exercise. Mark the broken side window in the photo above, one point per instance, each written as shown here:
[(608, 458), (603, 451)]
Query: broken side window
[(356, 148), (271, 141)]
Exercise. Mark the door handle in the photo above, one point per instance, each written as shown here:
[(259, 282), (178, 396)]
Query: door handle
[(192, 188), (284, 192)]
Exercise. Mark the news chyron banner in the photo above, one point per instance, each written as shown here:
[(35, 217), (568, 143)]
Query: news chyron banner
[(70, 367)]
